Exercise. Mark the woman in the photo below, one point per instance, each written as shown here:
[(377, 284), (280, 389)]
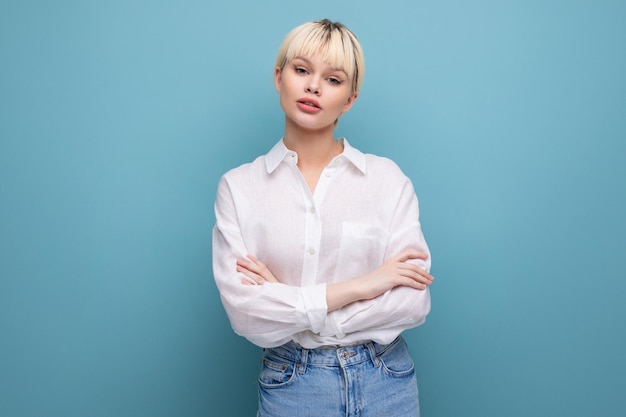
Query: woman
[(318, 251)]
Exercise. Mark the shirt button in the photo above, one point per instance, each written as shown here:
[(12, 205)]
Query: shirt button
[(327, 173), (312, 251), (312, 210)]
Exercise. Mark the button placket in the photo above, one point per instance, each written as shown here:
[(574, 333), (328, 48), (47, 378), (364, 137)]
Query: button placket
[(311, 239)]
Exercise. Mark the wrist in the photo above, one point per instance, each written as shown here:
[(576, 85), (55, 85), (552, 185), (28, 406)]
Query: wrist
[(340, 294)]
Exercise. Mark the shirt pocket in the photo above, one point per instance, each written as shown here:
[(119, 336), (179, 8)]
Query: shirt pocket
[(362, 248)]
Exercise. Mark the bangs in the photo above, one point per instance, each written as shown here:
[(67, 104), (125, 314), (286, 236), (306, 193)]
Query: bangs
[(332, 48), (332, 42)]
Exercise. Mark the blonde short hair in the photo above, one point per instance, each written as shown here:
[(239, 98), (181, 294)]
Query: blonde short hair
[(335, 43)]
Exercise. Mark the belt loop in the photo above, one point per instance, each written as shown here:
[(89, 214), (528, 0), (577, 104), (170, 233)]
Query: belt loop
[(373, 355), (304, 356)]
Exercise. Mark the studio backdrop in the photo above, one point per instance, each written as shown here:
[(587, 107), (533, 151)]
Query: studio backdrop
[(118, 118)]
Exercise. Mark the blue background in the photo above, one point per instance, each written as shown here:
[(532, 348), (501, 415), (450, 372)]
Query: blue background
[(117, 119)]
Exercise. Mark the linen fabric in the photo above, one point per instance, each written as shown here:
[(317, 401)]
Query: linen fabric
[(363, 211)]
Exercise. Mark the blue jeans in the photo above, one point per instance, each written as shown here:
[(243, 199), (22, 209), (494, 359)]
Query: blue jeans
[(369, 380)]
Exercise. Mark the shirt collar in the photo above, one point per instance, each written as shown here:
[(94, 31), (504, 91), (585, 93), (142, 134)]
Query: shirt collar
[(280, 152)]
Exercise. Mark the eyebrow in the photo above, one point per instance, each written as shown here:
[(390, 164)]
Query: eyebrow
[(310, 63)]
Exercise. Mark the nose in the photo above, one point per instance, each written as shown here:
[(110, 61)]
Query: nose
[(313, 90)]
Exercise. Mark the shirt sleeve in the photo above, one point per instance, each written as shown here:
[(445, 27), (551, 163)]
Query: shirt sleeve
[(267, 315), (402, 307)]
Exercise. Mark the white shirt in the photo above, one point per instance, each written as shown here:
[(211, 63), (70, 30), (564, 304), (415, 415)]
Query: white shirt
[(363, 211)]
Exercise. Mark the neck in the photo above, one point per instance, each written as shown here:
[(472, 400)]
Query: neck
[(315, 148)]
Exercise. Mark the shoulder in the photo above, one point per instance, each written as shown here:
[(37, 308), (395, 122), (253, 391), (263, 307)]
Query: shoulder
[(238, 182), (371, 164), (380, 165), (246, 170), (258, 169)]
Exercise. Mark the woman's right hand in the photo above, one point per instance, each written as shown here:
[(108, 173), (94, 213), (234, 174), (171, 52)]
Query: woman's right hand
[(256, 271)]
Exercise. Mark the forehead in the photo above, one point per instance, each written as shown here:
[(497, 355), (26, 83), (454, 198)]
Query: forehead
[(331, 54), (317, 60)]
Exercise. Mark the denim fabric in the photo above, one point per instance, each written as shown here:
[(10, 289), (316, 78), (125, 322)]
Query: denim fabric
[(368, 380)]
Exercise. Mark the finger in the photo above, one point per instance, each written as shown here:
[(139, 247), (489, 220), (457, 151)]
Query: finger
[(251, 274), (249, 265), (408, 282), (424, 277), (255, 267), (415, 268), (258, 263), (262, 269), (258, 267), (416, 273)]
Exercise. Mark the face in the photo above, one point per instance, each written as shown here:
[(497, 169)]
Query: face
[(312, 93)]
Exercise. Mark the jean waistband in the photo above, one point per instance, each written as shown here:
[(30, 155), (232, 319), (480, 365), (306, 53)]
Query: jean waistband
[(332, 356)]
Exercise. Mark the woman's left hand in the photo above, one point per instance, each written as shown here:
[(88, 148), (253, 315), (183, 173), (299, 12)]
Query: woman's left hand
[(256, 270)]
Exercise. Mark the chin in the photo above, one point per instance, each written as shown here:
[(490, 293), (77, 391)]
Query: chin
[(314, 126)]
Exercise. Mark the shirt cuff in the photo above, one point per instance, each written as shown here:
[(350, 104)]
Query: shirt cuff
[(314, 300), (332, 328)]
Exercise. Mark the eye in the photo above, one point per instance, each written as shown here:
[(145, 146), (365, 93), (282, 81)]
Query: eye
[(300, 70), (334, 81)]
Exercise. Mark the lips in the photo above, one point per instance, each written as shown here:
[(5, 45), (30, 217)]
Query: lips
[(309, 105)]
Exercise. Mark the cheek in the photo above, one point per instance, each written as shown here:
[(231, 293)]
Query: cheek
[(282, 100), (347, 104), (344, 104), (289, 87)]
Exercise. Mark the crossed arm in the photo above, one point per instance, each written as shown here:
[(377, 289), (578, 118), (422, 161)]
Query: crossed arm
[(394, 272), (381, 302)]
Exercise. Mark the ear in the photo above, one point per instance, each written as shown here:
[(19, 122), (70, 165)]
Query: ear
[(350, 102), (278, 76)]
